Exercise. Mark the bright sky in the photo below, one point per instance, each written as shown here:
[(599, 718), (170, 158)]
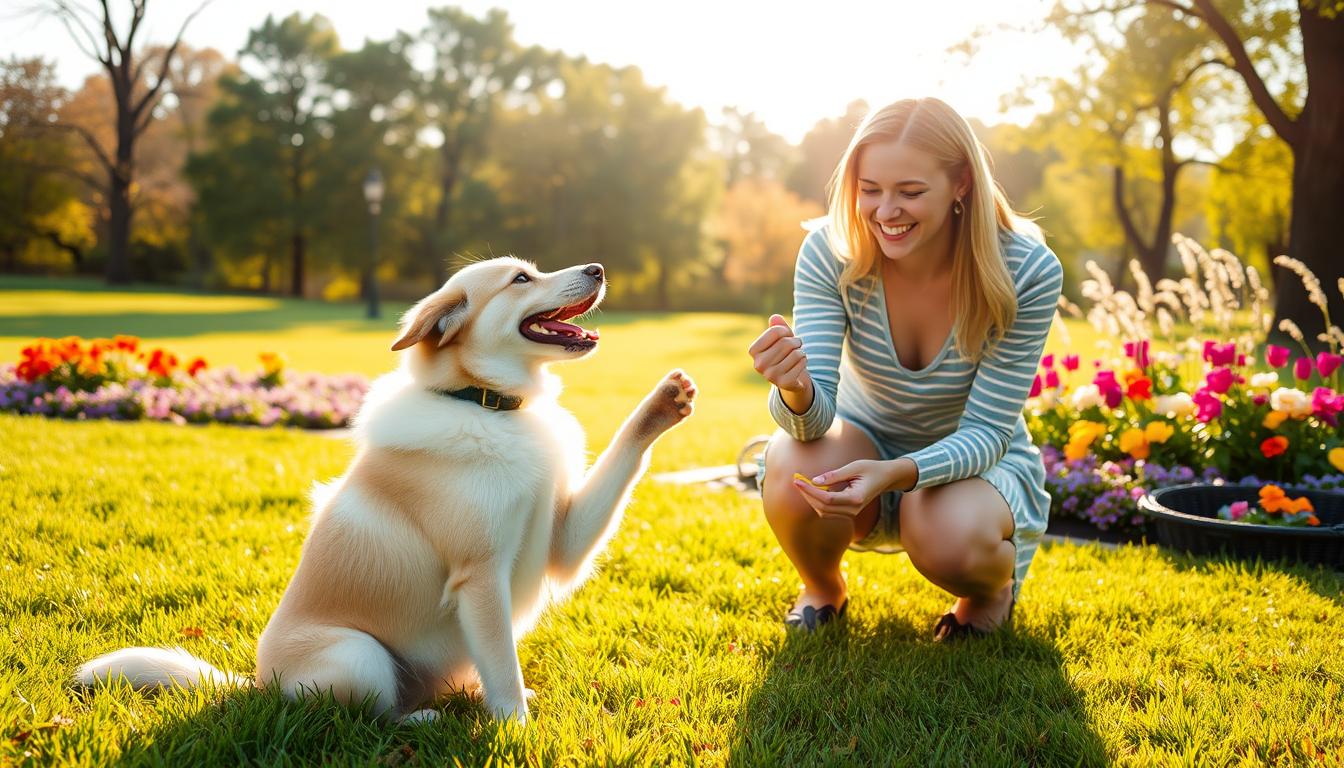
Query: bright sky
[(790, 62)]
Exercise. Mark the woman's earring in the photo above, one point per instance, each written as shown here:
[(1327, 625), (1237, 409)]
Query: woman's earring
[(956, 206)]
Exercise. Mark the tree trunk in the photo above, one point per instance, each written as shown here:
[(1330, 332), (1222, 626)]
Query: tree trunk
[(1316, 229), (118, 271), (443, 212), (296, 239)]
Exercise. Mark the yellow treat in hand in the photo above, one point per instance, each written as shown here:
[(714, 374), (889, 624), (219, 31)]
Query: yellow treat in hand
[(808, 480)]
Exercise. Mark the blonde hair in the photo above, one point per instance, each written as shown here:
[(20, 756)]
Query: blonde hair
[(983, 293)]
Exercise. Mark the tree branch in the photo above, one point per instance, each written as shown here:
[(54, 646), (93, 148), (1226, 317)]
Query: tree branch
[(162, 77), (89, 140), (1284, 126), (70, 20)]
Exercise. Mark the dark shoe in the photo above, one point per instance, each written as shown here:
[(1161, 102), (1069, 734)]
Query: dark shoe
[(808, 618), (948, 629)]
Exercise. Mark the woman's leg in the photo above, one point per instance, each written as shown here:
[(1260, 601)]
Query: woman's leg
[(959, 536), (815, 544)]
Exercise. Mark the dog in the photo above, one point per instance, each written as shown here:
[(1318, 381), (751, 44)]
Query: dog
[(466, 510)]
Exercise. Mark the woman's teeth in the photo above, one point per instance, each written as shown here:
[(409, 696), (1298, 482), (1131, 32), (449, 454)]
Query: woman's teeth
[(897, 230)]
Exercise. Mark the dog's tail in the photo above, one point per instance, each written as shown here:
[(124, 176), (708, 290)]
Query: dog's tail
[(156, 668)]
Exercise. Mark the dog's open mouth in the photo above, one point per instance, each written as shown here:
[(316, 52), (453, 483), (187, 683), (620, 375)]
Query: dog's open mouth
[(550, 327)]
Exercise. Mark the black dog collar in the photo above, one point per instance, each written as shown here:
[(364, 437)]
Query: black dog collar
[(486, 398)]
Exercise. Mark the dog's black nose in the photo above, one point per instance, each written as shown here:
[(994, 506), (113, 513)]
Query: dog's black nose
[(593, 270)]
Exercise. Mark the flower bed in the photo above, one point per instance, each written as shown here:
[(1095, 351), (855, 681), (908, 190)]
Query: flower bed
[(118, 379), (1201, 410)]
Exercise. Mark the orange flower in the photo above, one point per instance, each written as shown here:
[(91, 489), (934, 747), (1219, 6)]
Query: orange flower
[(196, 366), (1313, 520), (1300, 504), (126, 343), (1273, 499), (1273, 419), (1274, 446)]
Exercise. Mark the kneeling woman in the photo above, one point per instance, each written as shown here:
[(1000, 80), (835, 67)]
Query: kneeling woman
[(943, 297)]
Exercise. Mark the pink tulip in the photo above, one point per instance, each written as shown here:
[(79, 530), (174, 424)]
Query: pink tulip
[(1048, 361), (1035, 386), (1138, 352), (1302, 368), (1220, 354), (1208, 407), (1326, 363), (1326, 405), (1219, 380), (1070, 362), (1109, 388), (1277, 357), (1052, 379)]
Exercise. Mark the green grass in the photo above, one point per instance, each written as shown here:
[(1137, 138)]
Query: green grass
[(153, 534)]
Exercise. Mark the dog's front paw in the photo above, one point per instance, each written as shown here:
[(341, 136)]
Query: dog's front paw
[(671, 401)]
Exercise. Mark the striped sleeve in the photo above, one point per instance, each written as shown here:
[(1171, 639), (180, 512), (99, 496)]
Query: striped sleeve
[(819, 319), (1002, 381)]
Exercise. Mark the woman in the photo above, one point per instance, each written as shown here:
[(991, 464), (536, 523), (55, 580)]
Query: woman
[(944, 297)]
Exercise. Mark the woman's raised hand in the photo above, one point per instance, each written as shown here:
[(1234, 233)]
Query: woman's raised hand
[(778, 356)]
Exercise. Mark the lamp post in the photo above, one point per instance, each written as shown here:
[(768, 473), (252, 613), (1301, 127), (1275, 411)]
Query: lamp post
[(373, 195)]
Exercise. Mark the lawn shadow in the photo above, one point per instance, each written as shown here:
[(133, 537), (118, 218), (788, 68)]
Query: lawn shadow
[(261, 727), (1321, 579), (890, 696)]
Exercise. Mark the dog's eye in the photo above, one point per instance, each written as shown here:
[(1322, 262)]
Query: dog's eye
[(522, 278)]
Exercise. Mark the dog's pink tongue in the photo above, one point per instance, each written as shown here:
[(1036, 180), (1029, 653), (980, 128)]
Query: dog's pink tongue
[(563, 328)]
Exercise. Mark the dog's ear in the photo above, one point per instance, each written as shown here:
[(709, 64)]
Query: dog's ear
[(439, 316)]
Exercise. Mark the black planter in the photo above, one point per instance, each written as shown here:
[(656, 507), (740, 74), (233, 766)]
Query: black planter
[(1185, 517)]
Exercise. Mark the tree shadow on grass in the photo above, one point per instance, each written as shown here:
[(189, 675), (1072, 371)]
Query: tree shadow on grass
[(893, 697)]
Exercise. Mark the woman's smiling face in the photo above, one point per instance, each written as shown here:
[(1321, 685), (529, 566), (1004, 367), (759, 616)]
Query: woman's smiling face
[(905, 198)]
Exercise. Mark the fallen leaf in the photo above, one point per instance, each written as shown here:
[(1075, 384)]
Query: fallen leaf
[(193, 632)]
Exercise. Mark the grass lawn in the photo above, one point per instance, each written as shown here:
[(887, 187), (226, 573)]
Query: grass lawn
[(122, 534)]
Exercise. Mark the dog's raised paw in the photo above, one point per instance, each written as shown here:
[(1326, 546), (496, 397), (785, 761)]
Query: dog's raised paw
[(671, 401)]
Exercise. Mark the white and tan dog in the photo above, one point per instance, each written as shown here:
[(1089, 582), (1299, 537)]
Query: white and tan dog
[(459, 519)]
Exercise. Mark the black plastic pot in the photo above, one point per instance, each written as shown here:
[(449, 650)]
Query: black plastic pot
[(1185, 517)]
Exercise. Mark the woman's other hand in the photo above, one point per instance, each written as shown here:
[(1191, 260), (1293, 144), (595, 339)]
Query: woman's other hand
[(778, 356)]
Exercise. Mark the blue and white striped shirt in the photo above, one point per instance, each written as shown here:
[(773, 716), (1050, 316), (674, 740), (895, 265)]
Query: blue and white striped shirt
[(955, 419)]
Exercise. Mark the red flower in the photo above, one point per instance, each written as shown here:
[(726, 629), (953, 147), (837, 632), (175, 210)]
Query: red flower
[(1138, 386), (1274, 446), (196, 366)]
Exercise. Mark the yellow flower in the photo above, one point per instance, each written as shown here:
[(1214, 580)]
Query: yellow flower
[(1085, 432), (1273, 419), (1158, 431), (1336, 458), (1133, 442)]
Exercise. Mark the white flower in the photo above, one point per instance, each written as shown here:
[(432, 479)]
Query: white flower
[(1264, 380), (1293, 402), (1174, 406), (1086, 396), (1044, 401)]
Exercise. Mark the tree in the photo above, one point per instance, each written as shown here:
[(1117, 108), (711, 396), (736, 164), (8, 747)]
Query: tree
[(1141, 94), (269, 135), (476, 67), (750, 149), (820, 151), (136, 95), (759, 223), (39, 186), (612, 172), (1296, 48)]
